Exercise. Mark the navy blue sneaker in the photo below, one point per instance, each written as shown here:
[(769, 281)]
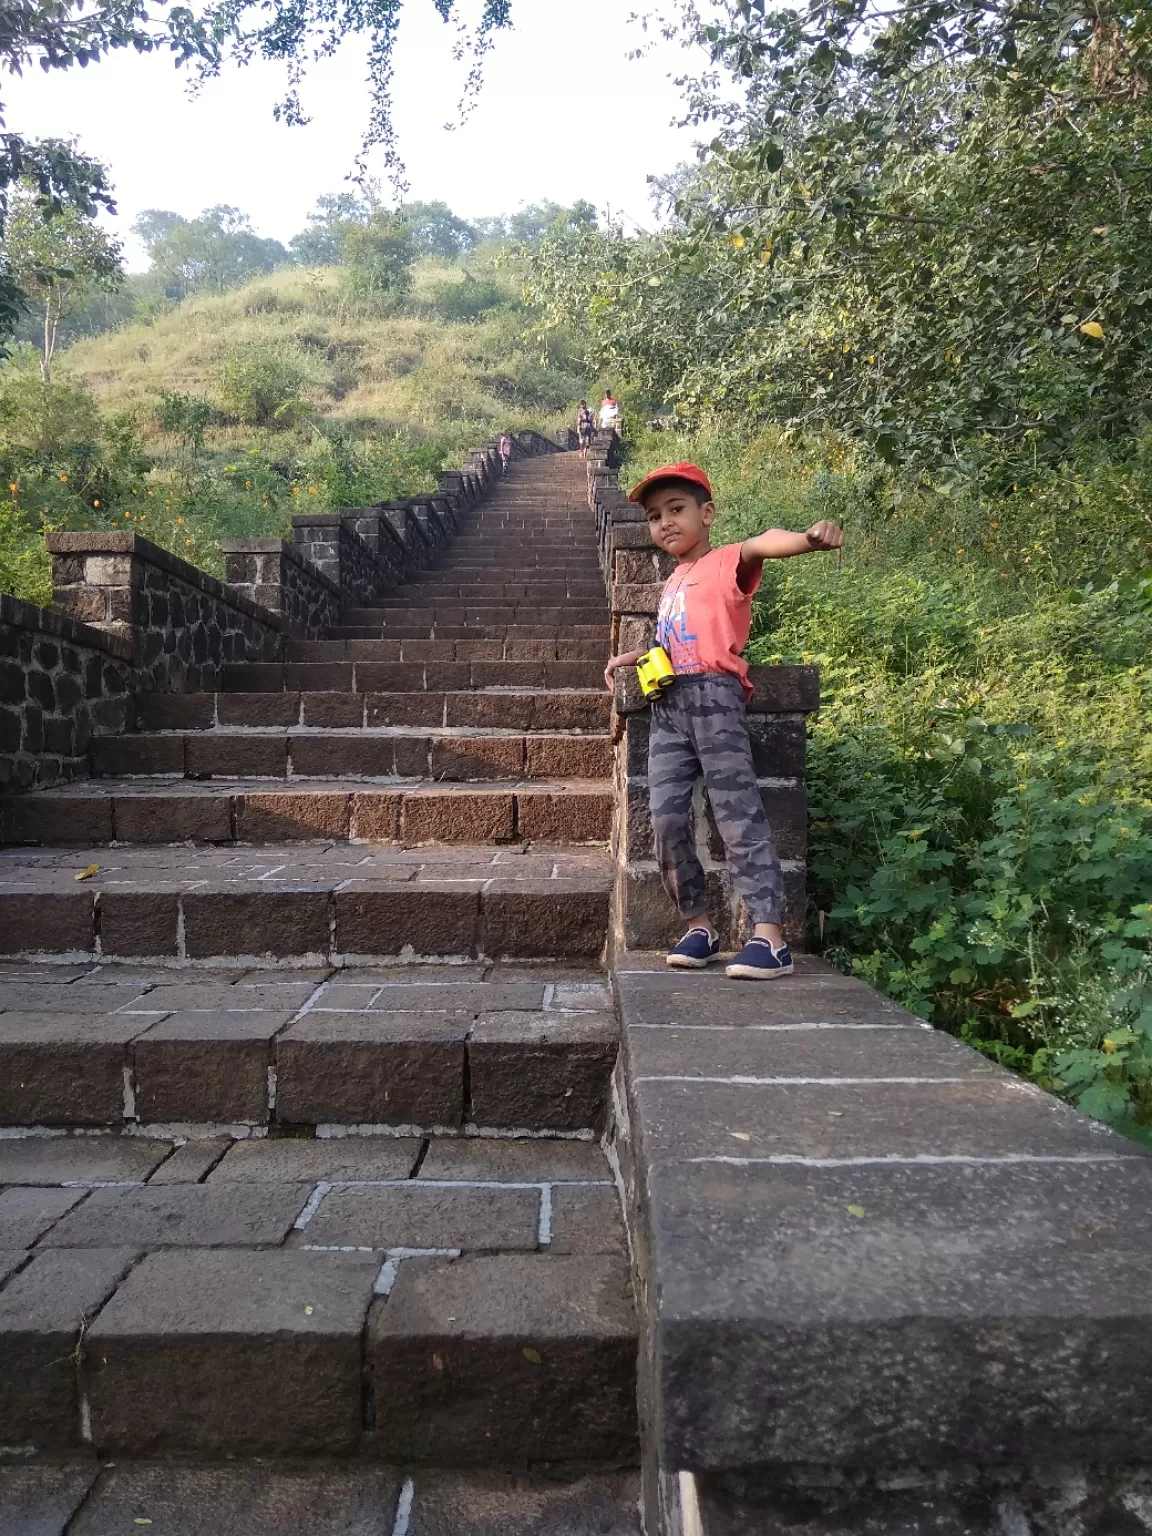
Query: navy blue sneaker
[(695, 950), (758, 961)]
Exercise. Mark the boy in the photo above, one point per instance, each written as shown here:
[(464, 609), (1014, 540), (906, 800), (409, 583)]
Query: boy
[(698, 726), (505, 453)]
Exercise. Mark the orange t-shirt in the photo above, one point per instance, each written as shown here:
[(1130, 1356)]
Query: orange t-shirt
[(704, 617)]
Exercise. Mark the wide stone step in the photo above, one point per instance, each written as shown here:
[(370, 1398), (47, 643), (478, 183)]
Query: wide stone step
[(529, 710), (479, 591), (456, 1302), (248, 811), (509, 638), (415, 1046), (435, 676), (373, 752), (424, 649), (504, 616), (322, 1497), (323, 901)]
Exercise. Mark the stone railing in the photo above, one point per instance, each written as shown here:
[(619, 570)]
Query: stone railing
[(182, 625), (277, 576), (61, 683), (634, 572)]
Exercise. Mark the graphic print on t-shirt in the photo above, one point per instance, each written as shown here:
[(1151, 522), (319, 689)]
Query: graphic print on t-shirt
[(672, 630)]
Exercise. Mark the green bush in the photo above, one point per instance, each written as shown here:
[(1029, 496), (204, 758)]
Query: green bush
[(262, 386), (467, 299)]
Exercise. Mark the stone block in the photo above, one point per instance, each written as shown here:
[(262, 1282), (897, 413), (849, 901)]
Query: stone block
[(394, 919), (43, 1311), (341, 711), (26, 1214), (444, 816), (784, 689), (425, 1215), (576, 674), (191, 1162), (375, 817), (778, 745), (121, 757), (230, 757), (257, 922), (533, 1160), (372, 1068), (274, 818), (183, 1216), (40, 1499), (506, 674), (389, 676), (56, 923), (568, 816), (448, 676), (258, 709), (525, 1357), (478, 757), (295, 1159), (47, 818), (174, 818), (253, 677), (250, 1500), (488, 1503), (334, 757), (182, 1360), (210, 1066), (547, 1071), (569, 757), (544, 919), (587, 1219), (410, 709), (571, 711), (492, 711), (318, 677), (58, 1160), (174, 711), (64, 1068)]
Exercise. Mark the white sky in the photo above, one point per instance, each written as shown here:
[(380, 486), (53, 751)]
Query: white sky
[(563, 114)]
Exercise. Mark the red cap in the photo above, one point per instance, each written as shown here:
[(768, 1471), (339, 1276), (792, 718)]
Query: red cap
[(691, 472)]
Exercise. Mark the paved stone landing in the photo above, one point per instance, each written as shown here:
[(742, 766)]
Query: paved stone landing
[(80, 1498), (871, 1245), (465, 1300), (423, 1047)]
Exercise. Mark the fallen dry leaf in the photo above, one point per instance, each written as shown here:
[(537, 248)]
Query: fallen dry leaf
[(857, 1210), (86, 874), (741, 1135)]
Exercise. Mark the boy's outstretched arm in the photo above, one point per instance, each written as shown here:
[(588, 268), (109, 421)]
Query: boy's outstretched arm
[(780, 544)]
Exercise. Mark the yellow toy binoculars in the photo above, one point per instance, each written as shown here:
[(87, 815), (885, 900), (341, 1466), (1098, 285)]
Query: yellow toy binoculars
[(655, 673)]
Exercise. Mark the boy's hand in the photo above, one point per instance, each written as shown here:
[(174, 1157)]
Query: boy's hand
[(825, 535), (610, 672)]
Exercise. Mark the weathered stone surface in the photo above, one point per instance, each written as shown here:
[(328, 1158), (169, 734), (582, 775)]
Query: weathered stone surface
[(482, 1503), (658, 998), (185, 1215), (207, 1066), (64, 1068), (78, 1159), (530, 1161), (587, 1219), (382, 919), (263, 992), (139, 923), (548, 1071), (518, 1357), (190, 1162), (298, 1159), (423, 1215), (372, 1068), (40, 1500), (253, 1499), (46, 923), (262, 922), (545, 918), (442, 992), (25, 1214), (184, 1357), (42, 1313)]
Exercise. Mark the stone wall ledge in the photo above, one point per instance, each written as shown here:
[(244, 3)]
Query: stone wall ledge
[(143, 549), (778, 691), (281, 546), (19, 614)]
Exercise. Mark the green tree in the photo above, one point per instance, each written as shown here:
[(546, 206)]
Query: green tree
[(378, 256), (436, 231), (321, 244), (217, 251), (59, 261)]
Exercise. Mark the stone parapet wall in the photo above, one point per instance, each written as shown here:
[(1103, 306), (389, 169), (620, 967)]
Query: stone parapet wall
[(275, 575), (61, 683), (183, 625)]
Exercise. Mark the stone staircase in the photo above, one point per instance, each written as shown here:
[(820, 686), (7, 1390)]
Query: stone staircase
[(301, 1086)]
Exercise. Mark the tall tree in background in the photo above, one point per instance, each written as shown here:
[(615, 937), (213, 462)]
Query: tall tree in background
[(217, 251), (379, 256), (322, 243), (59, 260)]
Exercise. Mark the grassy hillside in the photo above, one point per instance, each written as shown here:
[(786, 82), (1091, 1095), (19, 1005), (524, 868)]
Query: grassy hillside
[(231, 411)]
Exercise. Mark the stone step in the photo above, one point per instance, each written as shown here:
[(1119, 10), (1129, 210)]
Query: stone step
[(503, 616), (243, 811), (402, 1047), (408, 676), (446, 650), (323, 900), (373, 752), (322, 1497), (509, 637), (487, 591), (453, 1302), (528, 710)]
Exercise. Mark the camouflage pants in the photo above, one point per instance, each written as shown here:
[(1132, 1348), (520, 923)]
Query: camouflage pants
[(699, 727)]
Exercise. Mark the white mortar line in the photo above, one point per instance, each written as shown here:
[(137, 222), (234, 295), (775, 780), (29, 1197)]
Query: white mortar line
[(311, 1001), (544, 1231), (390, 1268), (922, 1159), (311, 1206), (404, 1508), (802, 1082), (690, 1521)]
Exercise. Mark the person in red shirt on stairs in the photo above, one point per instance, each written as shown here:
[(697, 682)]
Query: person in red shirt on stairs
[(698, 726)]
